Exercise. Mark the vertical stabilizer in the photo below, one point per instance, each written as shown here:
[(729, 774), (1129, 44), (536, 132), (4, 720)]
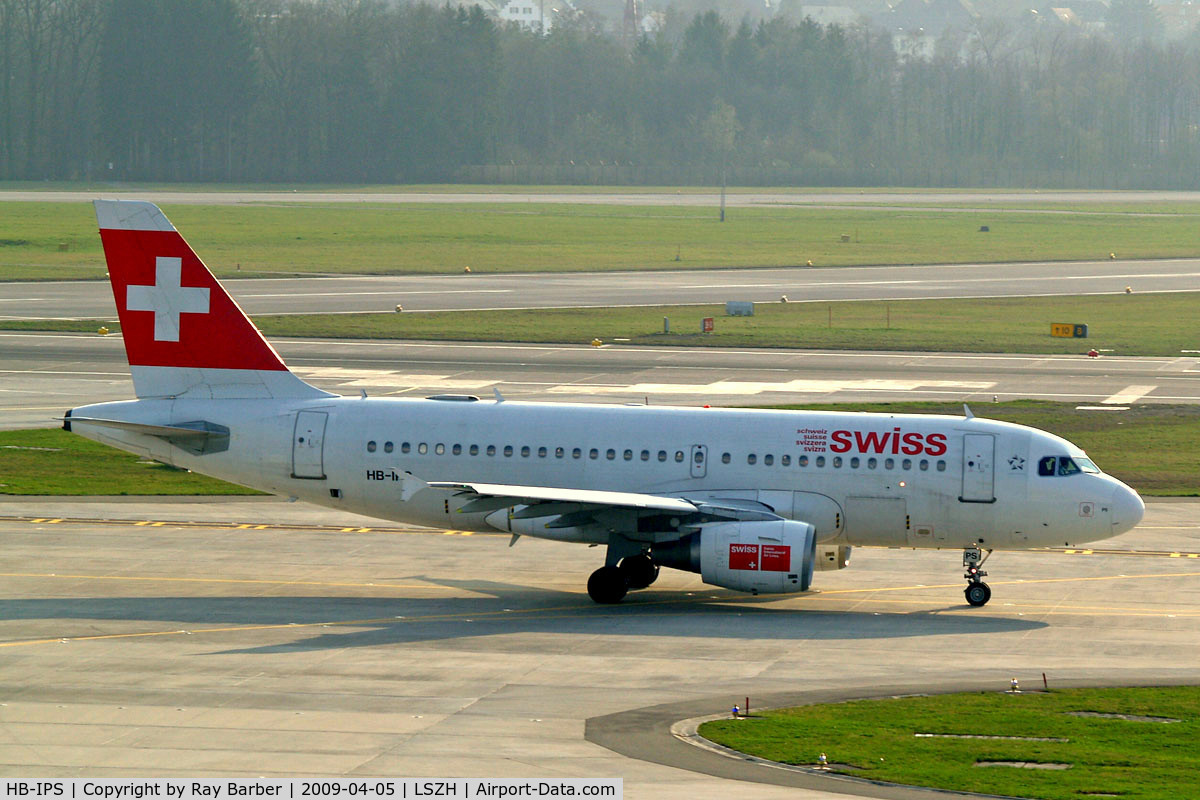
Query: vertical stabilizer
[(184, 335)]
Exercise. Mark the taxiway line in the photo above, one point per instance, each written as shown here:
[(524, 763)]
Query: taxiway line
[(556, 612), (419, 531)]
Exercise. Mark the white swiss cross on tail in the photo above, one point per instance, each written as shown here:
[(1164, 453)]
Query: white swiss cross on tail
[(167, 298)]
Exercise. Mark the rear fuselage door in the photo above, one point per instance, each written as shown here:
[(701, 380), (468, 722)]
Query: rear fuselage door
[(978, 475), (308, 445)]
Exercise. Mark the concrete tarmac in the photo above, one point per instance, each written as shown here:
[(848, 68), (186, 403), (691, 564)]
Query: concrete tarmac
[(42, 375), (143, 638)]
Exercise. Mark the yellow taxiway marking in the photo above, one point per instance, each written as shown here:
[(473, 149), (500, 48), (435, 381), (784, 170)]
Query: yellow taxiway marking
[(246, 526), (281, 582), (575, 610), (277, 626)]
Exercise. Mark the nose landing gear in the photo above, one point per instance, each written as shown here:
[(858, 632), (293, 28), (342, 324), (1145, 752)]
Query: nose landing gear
[(977, 592)]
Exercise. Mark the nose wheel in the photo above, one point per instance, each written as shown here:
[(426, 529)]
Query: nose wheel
[(977, 592)]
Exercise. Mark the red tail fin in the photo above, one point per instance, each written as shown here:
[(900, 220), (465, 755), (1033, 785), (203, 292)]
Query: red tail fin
[(183, 333)]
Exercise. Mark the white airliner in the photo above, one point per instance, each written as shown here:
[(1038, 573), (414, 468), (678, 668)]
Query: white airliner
[(751, 500)]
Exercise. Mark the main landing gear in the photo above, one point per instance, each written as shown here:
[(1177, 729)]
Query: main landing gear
[(977, 592), (610, 584)]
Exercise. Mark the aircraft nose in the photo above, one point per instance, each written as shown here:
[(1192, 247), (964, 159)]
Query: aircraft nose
[(1127, 509)]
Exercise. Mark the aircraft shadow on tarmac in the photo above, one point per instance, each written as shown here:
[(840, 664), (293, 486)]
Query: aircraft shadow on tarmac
[(506, 609)]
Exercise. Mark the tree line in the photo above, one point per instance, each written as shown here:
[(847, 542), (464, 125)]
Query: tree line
[(373, 91)]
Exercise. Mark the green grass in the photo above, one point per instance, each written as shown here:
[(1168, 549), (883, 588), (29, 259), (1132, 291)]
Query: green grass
[(1152, 324), (875, 739), (42, 241), (1119, 324), (54, 462), (1154, 448)]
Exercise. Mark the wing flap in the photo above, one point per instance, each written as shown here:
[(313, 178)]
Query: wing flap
[(527, 495)]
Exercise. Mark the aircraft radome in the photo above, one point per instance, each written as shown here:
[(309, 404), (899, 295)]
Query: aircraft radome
[(752, 500)]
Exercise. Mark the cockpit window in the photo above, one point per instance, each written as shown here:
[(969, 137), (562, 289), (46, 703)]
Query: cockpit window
[(1064, 465)]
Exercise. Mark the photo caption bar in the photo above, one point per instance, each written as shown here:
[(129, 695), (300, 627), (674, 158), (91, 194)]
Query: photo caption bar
[(341, 788)]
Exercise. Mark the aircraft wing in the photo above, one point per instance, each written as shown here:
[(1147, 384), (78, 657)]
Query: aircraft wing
[(503, 495)]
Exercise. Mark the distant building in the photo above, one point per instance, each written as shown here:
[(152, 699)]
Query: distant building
[(536, 15)]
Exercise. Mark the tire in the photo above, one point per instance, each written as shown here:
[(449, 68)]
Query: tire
[(978, 594), (639, 571), (607, 585)]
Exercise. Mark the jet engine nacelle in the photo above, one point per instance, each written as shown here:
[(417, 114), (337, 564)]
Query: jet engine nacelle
[(758, 556), (832, 556)]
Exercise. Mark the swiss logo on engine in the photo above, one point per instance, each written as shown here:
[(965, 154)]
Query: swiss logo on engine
[(743, 556), (769, 557)]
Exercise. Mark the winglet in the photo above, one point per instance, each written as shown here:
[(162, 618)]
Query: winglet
[(967, 412), (496, 391)]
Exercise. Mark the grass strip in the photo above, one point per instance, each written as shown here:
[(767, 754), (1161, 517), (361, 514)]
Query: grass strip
[(58, 241), (1154, 448), (1108, 756), (1130, 325), (55, 462), (1151, 324)]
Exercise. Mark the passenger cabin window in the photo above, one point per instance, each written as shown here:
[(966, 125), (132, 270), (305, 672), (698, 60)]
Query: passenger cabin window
[(725, 458), (820, 461), (854, 462), (387, 447), (678, 456), (440, 449), (785, 461), (541, 452), (645, 455), (491, 449), (610, 454), (750, 459), (593, 454), (456, 450), (474, 449), (422, 448), (371, 446), (508, 451), (802, 461), (628, 455), (768, 459), (662, 455), (576, 453), (525, 451), (558, 452)]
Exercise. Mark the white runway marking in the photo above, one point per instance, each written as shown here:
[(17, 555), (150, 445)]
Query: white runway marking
[(382, 290), (1128, 395), (757, 387), (367, 378)]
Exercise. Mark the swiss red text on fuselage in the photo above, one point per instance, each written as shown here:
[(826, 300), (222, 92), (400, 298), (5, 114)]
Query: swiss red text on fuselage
[(894, 442)]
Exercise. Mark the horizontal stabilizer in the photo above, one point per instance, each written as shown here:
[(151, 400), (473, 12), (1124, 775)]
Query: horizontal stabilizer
[(198, 437)]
